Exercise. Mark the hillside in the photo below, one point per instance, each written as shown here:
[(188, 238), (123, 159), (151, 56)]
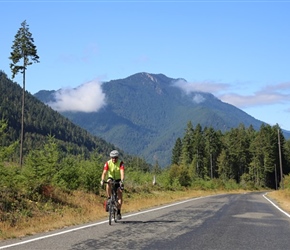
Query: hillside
[(145, 114), (40, 121)]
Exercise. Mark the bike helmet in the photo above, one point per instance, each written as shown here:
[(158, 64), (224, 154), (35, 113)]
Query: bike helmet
[(114, 153)]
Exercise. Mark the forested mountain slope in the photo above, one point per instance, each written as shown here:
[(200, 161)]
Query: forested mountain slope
[(40, 121), (145, 114)]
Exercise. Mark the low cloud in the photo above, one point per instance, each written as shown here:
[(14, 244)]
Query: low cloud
[(198, 98), (88, 97), (206, 87), (200, 87), (257, 99), (268, 95)]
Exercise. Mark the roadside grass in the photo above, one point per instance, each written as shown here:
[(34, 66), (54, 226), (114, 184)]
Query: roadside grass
[(281, 198), (79, 207)]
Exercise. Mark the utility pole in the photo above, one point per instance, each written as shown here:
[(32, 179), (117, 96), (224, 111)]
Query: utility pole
[(276, 177), (280, 158), (211, 170), (210, 158)]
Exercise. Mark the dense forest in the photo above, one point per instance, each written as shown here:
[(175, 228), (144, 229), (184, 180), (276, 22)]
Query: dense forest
[(251, 158)]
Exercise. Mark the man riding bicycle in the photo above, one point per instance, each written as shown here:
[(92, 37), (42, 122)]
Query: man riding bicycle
[(115, 170)]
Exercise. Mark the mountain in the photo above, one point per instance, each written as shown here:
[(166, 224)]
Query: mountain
[(145, 114)]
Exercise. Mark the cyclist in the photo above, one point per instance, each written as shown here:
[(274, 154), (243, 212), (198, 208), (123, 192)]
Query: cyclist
[(114, 169)]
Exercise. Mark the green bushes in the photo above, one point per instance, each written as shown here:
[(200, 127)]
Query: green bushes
[(286, 182)]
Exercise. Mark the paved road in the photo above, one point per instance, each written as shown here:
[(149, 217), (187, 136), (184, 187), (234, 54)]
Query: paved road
[(231, 221)]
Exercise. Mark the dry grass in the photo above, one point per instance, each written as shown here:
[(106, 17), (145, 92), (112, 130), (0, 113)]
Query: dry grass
[(281, 198), (85, 207), (89, 207)]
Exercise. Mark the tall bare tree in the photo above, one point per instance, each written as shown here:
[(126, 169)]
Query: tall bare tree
[(23, 53)]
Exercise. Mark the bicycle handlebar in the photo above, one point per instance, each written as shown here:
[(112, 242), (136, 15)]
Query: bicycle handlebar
[(115, 182), (112, 181)]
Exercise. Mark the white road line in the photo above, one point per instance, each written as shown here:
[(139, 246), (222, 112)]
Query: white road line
[(264, 195), (98, 223)]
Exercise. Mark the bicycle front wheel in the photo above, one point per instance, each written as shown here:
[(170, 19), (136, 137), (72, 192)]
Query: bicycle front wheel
[(111, 211)]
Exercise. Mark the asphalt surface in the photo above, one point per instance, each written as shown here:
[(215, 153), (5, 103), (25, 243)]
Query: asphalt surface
[(230, 221)]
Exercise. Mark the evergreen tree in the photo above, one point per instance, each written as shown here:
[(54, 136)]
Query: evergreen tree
[(271, 154), (224, 165), (187, 147), (212, 149), (22, 48), (265, 157), (41, 166), (156, 168), (287, 156), (176, 152), (5, 151), (237, 143), (281, 157), (198, 145)]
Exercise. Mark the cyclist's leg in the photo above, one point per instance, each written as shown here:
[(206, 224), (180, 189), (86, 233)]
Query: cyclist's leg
[(120, 201), (111, 211), (108, 188), (120, 197)]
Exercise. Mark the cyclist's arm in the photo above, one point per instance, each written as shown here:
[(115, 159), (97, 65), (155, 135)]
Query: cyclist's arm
[(122, 171), (105, 171), (104, 174)]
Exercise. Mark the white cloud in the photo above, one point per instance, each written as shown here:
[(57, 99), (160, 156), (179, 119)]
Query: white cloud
[(88, 97), (283, 87), (206, 87), (198, 98), (258, 99), (268, 95), (203, 87)]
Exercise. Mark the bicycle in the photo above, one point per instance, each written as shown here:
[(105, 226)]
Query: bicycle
[(113, 201)]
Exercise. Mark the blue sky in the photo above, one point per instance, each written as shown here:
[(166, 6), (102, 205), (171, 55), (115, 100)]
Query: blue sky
[(237, 50)]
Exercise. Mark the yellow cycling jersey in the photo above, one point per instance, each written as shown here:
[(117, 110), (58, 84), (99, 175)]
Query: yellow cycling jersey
[(114, 169)]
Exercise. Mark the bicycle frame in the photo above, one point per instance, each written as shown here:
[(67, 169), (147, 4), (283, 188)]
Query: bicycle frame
[(113, 202)]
